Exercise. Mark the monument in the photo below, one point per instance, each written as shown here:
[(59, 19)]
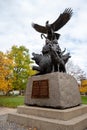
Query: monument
[(52, 87), (52, 58), (52, 98)]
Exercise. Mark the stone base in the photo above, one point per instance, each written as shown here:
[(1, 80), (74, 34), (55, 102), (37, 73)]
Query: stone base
[(51, 119), (62, 90)]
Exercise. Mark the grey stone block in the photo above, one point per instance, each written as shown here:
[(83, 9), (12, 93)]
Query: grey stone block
[(50, 119), (63, 91), (65, 114)]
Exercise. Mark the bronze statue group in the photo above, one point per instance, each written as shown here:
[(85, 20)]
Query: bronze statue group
[(52, 58)]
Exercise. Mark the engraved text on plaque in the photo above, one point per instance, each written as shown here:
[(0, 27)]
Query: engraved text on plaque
[(40, 89)]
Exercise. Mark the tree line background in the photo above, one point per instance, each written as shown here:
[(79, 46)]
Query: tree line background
[(15, 68)]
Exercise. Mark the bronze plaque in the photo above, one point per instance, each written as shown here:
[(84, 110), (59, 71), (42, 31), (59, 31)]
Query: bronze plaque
[(40, 89)]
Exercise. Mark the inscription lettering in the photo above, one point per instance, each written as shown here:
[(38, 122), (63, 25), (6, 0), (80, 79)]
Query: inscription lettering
[(40, 89)]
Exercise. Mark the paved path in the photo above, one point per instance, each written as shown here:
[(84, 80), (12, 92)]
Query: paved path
[(5, 125), (5, 110)]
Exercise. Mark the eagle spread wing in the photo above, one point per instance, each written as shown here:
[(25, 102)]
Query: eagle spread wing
[(62, 19), (60, 22), (39, 28)]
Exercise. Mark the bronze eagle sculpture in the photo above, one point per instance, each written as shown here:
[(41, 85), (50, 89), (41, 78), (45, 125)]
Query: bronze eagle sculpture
[(49, 29)]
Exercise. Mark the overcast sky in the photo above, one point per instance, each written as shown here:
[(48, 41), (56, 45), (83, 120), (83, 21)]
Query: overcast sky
[(16, 17)]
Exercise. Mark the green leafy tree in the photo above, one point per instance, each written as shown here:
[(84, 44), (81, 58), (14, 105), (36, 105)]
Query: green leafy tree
[(21, 69)]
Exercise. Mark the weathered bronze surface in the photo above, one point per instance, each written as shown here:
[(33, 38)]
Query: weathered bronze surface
[(40, 89), (52, 58)]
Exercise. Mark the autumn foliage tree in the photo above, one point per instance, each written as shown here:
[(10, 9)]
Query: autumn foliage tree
[(22, 69), (5, 73)]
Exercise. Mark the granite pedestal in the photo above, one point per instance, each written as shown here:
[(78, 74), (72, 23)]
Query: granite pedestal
[(57, 91), (62, 91), (38, 118)]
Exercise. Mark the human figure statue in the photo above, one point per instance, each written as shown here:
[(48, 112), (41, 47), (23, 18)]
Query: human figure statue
[(56, 53), (49, 60)]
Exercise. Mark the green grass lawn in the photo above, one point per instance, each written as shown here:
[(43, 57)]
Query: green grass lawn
[(14, 101), (11, 101), (84, 99)]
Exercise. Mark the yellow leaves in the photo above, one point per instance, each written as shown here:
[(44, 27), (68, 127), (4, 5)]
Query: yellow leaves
[(31, 72), (15, 68), (5, 72), (83, 87), (6, 86)]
